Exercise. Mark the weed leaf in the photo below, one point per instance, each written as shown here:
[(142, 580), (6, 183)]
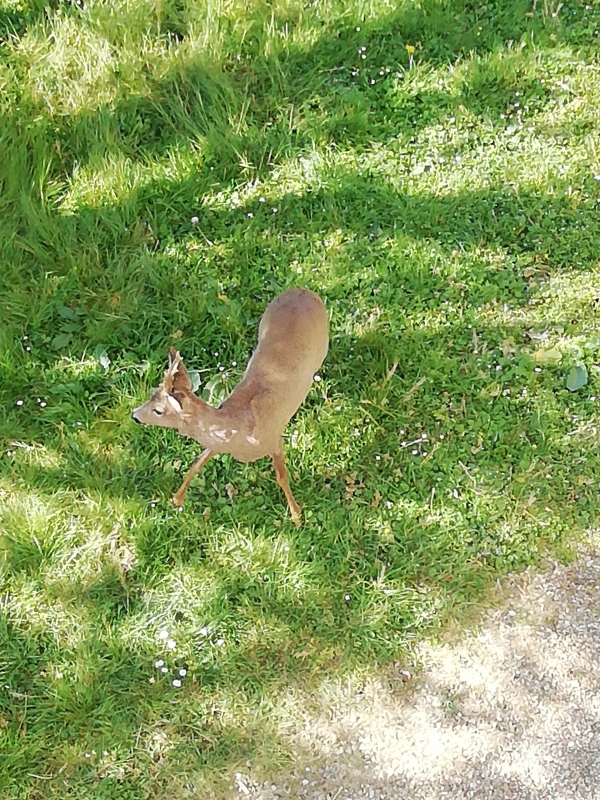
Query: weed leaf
[(194, 377), (577, 377), (101, 357), (548, 357), (67, 313), (60, 341)]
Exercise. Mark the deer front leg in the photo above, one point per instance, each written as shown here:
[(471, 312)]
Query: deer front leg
[(282, 480), (179, 495)]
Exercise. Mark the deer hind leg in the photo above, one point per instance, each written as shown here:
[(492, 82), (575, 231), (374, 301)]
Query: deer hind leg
[(179, 495), (282, 480)]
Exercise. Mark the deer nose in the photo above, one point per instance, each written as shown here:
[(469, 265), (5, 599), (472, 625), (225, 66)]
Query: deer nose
[(134, 418)]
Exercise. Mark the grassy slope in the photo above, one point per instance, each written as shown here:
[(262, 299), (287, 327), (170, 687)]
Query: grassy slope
[(443, 202)]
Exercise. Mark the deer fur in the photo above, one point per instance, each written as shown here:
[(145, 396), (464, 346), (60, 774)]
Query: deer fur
[(293, 341)]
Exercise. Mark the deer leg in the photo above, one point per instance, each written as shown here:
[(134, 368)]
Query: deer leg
[(282, 480), (179, 495)]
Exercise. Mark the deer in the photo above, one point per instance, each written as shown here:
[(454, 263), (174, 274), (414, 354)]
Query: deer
[(293, 340)]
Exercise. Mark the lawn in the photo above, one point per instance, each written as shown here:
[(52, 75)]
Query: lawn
[(432, 170)]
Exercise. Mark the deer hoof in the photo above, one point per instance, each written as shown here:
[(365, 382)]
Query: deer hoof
[(177, 501)]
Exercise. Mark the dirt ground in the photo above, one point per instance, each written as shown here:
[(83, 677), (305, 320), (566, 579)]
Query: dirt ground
[(510, 709)]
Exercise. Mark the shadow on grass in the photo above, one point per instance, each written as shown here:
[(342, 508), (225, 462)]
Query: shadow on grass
[(397, 535), (257, 110), (108, 709), (430, 530)]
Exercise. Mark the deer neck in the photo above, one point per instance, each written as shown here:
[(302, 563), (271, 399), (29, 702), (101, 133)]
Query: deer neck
[(203, 422)]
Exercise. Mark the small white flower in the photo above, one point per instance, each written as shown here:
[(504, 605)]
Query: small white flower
[(164, 634), (415, 452), (203, 631), (171, 644), (250, 214), (19, 402), (160, 663), (164, 670), (317, 378), (183, 672), (346, 597), (177, 683), (220, 642), (261, 200), (195, 220)]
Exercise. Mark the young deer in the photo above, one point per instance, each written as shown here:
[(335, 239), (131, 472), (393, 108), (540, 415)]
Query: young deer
[(292, 342)]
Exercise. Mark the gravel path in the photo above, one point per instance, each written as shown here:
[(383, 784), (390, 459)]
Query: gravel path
[(512, 710)]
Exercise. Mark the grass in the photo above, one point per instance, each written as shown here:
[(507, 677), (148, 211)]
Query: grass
[(166, 169)]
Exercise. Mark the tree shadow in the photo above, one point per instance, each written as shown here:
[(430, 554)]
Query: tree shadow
[(302, 95), (134, 289)]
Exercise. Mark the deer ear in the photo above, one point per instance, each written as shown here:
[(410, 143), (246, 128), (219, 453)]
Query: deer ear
[(181, 379)]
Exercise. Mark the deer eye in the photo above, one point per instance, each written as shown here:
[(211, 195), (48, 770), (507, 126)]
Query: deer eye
[(158, 412)]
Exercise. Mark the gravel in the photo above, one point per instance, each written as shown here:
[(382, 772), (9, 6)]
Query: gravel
[(509, 710)]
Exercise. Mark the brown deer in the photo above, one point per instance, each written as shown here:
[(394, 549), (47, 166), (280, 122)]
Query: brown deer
[(292, 342)]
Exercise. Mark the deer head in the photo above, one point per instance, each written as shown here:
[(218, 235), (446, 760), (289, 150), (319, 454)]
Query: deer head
[(167, 405)]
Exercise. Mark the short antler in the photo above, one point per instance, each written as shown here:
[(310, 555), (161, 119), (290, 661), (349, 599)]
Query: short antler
[(172, 369)]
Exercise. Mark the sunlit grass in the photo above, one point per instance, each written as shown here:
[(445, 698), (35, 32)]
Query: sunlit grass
[(432, 171)]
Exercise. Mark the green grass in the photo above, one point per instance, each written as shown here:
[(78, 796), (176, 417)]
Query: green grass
[(445, 204)]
